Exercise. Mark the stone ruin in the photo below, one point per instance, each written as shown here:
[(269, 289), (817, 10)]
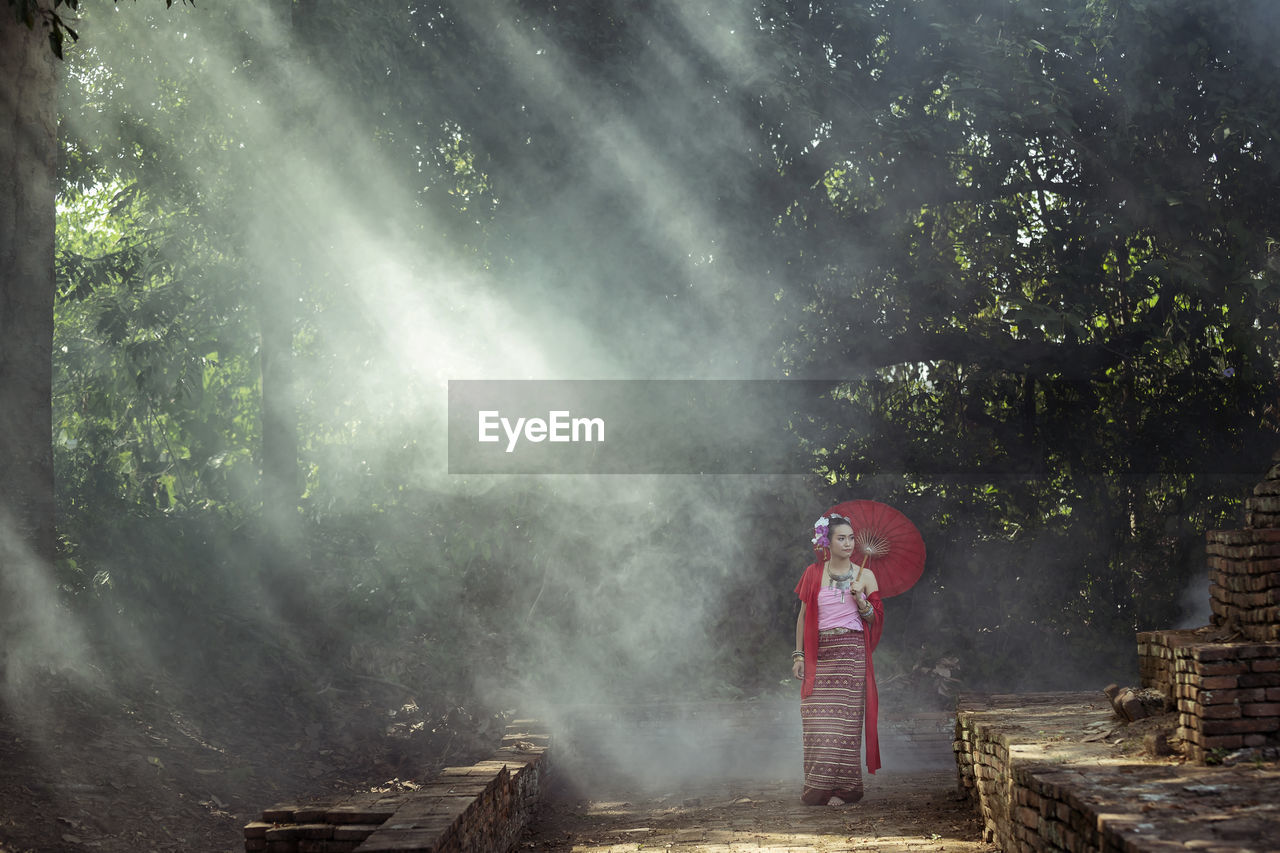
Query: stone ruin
[(1065, 773), (1224, 678)]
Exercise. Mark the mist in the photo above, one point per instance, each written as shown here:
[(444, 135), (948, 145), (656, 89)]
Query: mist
[(417, 193), (578, 590)]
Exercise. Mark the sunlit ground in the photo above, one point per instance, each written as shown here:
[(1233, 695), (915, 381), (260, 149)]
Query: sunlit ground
[(917, 810)]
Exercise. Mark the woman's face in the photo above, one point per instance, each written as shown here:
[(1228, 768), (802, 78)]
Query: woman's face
[(841, 536)]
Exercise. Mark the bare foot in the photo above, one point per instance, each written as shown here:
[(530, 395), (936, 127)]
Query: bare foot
[(835, 801)]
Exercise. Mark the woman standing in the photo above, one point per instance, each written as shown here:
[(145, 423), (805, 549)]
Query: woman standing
[(841, 615)]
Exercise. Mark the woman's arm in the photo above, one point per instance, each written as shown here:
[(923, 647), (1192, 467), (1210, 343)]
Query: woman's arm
[(797, 662), (870, 585)]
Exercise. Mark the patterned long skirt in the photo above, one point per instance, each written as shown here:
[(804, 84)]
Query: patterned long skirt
[(831, 717)]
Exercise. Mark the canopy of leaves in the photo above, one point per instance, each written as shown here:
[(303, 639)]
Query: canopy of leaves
[(1031, 249)]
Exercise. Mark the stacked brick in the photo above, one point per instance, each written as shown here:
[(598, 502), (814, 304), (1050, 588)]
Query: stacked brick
[(336, 827), (1244, 581), (482, 807), (463, 815), (1228, 697), (1225, 678), (1048, 774), (1046, 818), (923, 735), (981, 766), (1025, 807), (1157, 657), (1263, 509), (1227, 693)]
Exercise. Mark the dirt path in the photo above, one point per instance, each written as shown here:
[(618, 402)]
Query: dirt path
[(917, 810)]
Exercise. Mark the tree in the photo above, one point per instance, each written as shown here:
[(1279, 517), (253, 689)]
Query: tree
[(960, 214), (28, 157), (30, 38), (1040, 255)]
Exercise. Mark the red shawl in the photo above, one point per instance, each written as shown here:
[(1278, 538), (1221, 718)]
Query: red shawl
[(807, 589)]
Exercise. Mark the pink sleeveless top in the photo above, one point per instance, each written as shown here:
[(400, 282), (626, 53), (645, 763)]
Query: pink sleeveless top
[(836, 613)]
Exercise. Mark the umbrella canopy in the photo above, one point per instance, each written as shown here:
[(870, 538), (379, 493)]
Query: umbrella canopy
[(886, 542)]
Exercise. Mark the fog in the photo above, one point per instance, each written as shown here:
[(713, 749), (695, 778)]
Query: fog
[(618, 275), (600, 240)]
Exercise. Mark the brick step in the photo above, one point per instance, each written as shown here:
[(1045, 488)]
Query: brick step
[(480, 807)]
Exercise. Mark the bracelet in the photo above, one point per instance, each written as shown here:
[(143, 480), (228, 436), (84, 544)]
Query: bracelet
[(795, 655)]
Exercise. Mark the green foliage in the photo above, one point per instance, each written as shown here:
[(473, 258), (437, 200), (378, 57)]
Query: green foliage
[(1048, 263), (1032, 249), (35, 13), (152, 396)]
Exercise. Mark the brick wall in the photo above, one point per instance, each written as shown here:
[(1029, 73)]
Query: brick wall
[(916, 739), (1227, 693), (1228, 697), (1025, 805), (1048, 777), (1263, 508), (1225, 677), (482, 807), (1157, 656), (1244, 581)]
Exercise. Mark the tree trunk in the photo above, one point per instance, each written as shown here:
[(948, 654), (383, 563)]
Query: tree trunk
[(277, 310), (28, 157), (280, 487), (283, 549)]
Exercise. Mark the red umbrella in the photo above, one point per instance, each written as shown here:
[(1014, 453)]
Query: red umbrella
[(886, 542)]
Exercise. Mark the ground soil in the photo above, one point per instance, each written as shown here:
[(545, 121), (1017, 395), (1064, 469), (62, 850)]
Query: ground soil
[(94, 772), (174, 769), (84, 769), (918, 810)]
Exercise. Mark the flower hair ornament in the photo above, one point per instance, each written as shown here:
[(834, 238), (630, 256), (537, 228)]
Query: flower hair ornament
[(821, 539)]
